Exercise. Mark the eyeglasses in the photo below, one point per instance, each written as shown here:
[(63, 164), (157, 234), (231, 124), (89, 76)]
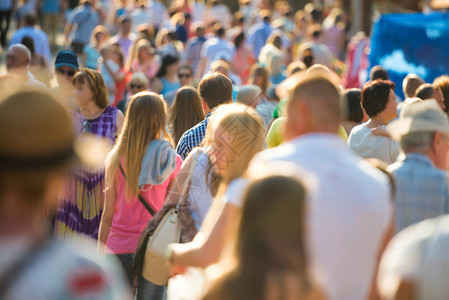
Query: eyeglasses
[(182, 75), (136, 86), (71, 73), (86, 126)]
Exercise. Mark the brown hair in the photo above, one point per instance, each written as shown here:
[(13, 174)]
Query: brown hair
[(186, 112), (215, 88), (270, 242), (259, 71), (424, 91), (410, 85), (443, 83), (375, 96), (96, 84)]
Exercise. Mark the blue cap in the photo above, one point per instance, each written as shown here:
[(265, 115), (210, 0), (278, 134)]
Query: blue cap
[(67, 58)]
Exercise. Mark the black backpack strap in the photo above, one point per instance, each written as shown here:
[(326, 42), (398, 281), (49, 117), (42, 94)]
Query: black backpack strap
[(142, 200)]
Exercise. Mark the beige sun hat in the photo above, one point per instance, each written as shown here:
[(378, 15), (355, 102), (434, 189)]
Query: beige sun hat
[(37, 134), (425, 116)]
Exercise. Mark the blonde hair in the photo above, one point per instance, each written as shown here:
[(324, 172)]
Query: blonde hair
[(135, 49), (97, 30), (248, 140), (144, 122)]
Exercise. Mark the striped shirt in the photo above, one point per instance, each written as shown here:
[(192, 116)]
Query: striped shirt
[(421, 190), (192, 138)]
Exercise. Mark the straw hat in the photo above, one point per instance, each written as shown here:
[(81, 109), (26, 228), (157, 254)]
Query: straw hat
[(37, 134), (425, 116)]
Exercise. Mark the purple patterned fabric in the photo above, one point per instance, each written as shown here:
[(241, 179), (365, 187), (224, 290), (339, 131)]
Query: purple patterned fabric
[(81, 200)]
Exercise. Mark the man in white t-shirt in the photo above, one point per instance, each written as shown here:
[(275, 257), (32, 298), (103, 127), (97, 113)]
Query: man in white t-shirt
[(349, 208), (214, 49)]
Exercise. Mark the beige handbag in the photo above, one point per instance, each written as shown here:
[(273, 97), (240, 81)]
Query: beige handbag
[(168, 231)]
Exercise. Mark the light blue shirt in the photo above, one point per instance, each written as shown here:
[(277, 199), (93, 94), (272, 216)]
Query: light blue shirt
[(39, 37), (258, 35), (85, 19), (421, 190), (5, 5)]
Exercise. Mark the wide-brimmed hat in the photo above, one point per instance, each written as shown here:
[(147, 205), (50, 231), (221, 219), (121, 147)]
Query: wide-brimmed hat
[(37, 134), (425, 116)]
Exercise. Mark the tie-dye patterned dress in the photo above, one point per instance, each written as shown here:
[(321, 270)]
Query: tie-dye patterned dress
[(81, 200)]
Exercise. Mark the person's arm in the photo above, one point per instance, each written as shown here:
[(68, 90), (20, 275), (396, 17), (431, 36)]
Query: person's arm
[(177, 184), (108, 214), (117, 76), (207, 245), (374, 292), (120, 119), (201, 66), (67, 30), (379, 131), (156, 85)]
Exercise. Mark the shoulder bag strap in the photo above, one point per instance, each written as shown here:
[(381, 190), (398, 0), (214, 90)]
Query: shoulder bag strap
[(141, 198), (187, 183)]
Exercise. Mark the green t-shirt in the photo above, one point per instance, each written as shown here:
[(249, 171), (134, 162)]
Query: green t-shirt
[(280, 109)]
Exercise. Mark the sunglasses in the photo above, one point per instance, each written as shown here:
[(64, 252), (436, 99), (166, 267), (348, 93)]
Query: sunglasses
[(182, 75), (71, 73), (86, 126), (136, 86)]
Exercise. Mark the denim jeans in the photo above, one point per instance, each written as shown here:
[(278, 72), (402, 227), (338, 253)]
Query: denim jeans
[(150, 291), (145, 289), (127, 261)]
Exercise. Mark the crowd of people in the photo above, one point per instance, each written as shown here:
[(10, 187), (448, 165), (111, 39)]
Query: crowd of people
[(298, 178)]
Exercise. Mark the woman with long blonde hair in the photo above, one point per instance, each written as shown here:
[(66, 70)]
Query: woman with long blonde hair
[(141, 59), (141, 165), (234, 135)]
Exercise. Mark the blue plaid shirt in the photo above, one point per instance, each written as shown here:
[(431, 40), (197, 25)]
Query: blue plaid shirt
[(421, 190), (192, 138)]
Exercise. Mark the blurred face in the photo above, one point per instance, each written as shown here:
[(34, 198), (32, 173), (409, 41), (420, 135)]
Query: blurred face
[(100, 37), (391, 107), (83, 95), (438, 95), (136, 87), (258, 80), (441, 144), (220, 151), (173, 68), (185, 76), (144, 53), (64, 75), (126, 27), (15, 59)]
